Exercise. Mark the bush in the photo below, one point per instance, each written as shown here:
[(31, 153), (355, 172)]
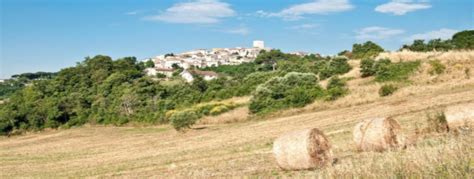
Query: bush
[(367, 50), (292, 90), (336, 88), (437, 67), (183, 119), (5, 127), (387, 90), (367, 68), (160, 75), (395, 71)]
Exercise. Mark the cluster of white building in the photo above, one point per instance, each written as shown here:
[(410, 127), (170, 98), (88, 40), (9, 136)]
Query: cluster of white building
[(201, 58)]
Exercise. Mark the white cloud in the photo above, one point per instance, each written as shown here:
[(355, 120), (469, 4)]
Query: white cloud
[(435, 34), (240, 31), (401, 7), (296, 12), (195, 12), (377, 33)]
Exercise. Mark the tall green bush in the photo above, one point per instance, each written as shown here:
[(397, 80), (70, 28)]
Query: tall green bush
[(183, 119), (336, 88), (396, 71), (368, 49), (292, 90)]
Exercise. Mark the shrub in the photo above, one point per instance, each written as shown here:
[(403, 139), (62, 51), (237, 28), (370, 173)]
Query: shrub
[(336, 88), (183, 119), (367, 50), (292, 90), (367, 68), (387, 90), (5, 127), (339, 65), (396, 71), (437, 67), (160, 75)]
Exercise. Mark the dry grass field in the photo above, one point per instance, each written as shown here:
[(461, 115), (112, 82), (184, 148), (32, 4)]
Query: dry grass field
[(241, 146)]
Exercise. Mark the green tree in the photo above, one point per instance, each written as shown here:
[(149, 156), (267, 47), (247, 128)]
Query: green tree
[(149, 64), (368, 49), (292, 90), (464, 39)]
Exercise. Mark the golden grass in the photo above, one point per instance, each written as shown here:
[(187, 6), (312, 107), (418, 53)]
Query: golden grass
[(411, 56), (236, 115), (244, 148)]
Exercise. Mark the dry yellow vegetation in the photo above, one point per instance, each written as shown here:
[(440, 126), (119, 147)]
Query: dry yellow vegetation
[(215, 149)]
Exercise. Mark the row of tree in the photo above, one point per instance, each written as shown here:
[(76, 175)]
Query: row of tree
[(460, 40), (100, 90)]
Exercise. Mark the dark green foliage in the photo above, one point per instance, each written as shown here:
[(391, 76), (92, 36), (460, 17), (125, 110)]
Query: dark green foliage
[(385, 70), (10, 86), (387, 90), (292, 90), (464, 39), (339, 66), (100, 90), (346, 53), (323, 67), (183, 119), (366, 50), (367, 68), (238, 71), (17, 82), (435, 44), (336, 88), (160, 75), (149, 64), (269, 58), (437, 67), (395, 71), (460, 40), (34, 76)]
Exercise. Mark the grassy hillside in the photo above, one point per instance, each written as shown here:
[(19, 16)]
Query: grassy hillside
[(242, 145)]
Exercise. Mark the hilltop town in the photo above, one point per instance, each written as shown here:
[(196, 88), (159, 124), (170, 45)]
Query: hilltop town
[(169, 63)]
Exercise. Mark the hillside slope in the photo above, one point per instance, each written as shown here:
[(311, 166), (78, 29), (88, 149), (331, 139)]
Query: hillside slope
[(244, 148)]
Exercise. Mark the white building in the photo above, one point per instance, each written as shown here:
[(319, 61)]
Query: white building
[(150, 71), (206, 75), (186, 75), (165, 71), (259, 44)]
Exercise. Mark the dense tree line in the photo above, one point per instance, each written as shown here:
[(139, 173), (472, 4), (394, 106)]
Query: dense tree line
[(100, 90), (18, 81), (460, 40)]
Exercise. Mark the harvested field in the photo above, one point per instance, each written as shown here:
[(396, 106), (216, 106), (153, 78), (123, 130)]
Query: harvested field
[(244, 147)]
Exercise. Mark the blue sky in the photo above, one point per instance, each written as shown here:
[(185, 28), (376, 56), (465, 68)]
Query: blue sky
[(47, 35)]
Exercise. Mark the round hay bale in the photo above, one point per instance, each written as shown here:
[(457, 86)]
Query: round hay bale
[(303, 149), (378, 134), (460, 115)]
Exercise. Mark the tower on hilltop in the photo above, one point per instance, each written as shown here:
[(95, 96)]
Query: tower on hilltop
[(259, 44)]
